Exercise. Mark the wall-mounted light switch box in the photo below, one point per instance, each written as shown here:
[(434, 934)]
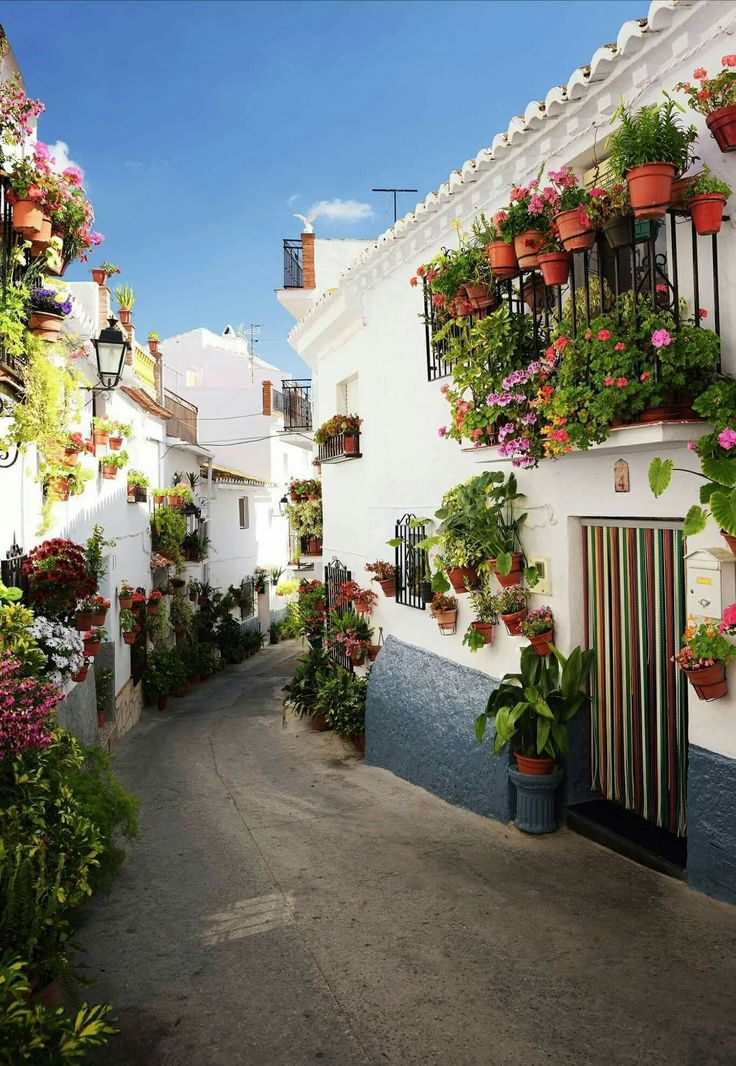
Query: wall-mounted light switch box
[(544, 585)]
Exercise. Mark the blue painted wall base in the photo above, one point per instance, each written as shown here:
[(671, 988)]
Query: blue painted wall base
[(420, 719), (711, 824)]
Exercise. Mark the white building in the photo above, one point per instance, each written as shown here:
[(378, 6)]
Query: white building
[(364, 339)]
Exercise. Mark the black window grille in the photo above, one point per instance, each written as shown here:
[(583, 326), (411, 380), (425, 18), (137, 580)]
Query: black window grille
[(247, 598), (297, 403), (336, 574), (293, 275), (334, 449), (411, 563), (648, 263), (11, 568)]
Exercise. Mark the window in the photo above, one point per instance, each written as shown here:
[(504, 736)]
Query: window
[(193, 377), (243, 512)]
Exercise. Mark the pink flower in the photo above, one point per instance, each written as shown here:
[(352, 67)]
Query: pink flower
[(727, 439), (645, 376), (729, 61), (74, 175), (702, 313), (621, 383), (444, 389), (608, 381), (95, 238), (438, 299), (442, 431), (619, 347), (661, 338), (700, 73), (691, 446), (604, 334), (499, 218), (661, 287)]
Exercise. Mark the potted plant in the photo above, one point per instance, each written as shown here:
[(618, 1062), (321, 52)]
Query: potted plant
[(112, 463), (49, 307), (350, 593), (385, 575), (554, 262), (511, 606), (153, 341), (139, 602), (137, 487), (159, 496), (125, 596), (707, 197), (81, 674), (525, 223), (609, 210), (481, 629), (92, 640), (443, 609), (192, 590), (118, 430), (163, 672), (716, 99), (539, 628), (301, 693), (347, 425), (104, 271), (125, 297), (569, 203), (129, 627), (58, 578), (73, 444), (84, 614), (154, 598), (99, 606), (704, 656), (649, 149), (350, 632), (101, 429), (530, 710)]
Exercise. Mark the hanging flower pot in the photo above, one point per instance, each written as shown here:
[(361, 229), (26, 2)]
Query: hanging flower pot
[(126, 602), (358, 657), (82, 621), (730, 540), (81, 674), (202, 601), (130, 638), (709, 682), (707, 212), (58, 488), (514, 576), (115, 443), (91, 646), (527, 246), (151, 609), (481, 297), (502, 258), (361, 607), (459, 575), (388, 587), (541, 642), (158, 498), (45, 325), (109, 473), (555, 267), (722, 124), (100, 437), (124, 314), (534, 764), (373, 652), (513, 622), (71, 456), (98, 275), (486, 630), (536, 295), (575, 233), (650, 189), (314, 546), (98, 619), (162, 702), (27, 218), (446, 620), (192, 596), (42, 239), (350, 443), (174, 499), (619, 231)]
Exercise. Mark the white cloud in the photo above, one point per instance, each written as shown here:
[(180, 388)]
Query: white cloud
[(60, 152), (341, 210), (293, 199)]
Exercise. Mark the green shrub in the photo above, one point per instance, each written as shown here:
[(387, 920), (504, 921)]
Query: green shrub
[(341, 699), (310, 676)]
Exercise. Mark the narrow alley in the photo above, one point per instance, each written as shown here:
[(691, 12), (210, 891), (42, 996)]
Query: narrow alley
[(287, 904)]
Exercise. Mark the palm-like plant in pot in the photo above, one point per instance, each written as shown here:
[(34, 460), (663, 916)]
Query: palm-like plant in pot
[(481, 629), (650, 148), (530, 710)]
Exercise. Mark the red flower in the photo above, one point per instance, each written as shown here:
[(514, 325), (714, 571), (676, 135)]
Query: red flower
[(701, 73), (421, 271), (621, 383), (619, 347), (704, 94), (644, 376), (729, 61), (702, 313), (604, 334), (560, 343), (608, 381), (413, 281), (438, 299)]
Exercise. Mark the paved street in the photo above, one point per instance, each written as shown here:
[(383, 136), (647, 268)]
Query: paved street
[(287, 904)]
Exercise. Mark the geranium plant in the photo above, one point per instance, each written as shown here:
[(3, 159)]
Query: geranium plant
[(538, 622), (711, 94), (349, 425)]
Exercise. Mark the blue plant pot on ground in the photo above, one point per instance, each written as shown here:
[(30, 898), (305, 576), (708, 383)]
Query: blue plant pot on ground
[(535, 800)]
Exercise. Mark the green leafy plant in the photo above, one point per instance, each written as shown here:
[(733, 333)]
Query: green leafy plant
[(652, 134), (347, 424), (301, 693), (341, 699), (484, 603), (169, 529), (704, 644), (159, 627), (707, 95), (153, 335), (115, 459), (125, 297), (707, 182), (16, 638), (163, 674), (94, 553), (137, 478), (181, 614), (532, 707)]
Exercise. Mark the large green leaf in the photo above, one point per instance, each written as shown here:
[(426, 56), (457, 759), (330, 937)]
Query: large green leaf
[(541, 707), (481, 724), (721, 470), (531, 576), (723, 509), (660, 475), (696, 520), (395, 542), (439, 582), (706, 491), (504, 562), (542, 734)]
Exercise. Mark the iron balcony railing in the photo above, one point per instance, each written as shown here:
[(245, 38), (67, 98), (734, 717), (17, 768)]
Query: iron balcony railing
[(336, 574), (659, 266), (297, 403), (293, 273), (340, 448)]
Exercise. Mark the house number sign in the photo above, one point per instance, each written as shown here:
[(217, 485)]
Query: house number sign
[(621, 476)]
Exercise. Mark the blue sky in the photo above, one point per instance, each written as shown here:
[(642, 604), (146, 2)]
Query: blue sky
[(202, 127)]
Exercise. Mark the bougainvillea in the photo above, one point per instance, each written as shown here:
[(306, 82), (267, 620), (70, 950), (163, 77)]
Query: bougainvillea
[(25, 709), (58, 577)]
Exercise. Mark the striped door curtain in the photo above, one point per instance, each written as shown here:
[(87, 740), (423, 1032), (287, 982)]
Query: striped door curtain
[(634, 587)]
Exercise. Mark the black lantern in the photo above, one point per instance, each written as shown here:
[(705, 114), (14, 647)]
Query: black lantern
[(110, 347), (282, 504)]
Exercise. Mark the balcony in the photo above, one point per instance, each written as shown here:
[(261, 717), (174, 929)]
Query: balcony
[(183, 423), (296, 401), (340, 449), (293, 264), (11, 366), (144, 368)]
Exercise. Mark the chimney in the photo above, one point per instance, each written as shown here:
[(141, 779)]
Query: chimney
[(308, 275), (267, 398), (158, 383)]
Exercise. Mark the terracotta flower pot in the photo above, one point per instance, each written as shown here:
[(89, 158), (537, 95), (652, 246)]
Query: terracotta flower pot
[(486, 630), (502, 258), (109, 473), (527, 246), (81, 674), (358, 657), (446, 620), (173, 499), (151, 608), (45, 325), (362, 608), (130, 638), (709, 682), (314, 546), (100, 437), (541, 642), (158, 498), (722, 124), (27, 218), (373, 652), (71, 457), (650, 189), (59, 487), (537, 765), (124, 314), (98, 619), (730, 540), (319, 723), (359, 742), (82, 621), (458, 575), (388, 587), (162, 702), (513, 622), (98, 275), (126, 602), (574, 234), (42, 239), (707, 212), (481, 297), (192, 596), (555, 267), (100, 719), (350, 443), (153, 347), (115, 443), (91, 647), (514, 576)]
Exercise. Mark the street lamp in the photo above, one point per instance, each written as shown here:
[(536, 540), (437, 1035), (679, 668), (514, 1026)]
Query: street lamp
[(282, 504), (110, 348)]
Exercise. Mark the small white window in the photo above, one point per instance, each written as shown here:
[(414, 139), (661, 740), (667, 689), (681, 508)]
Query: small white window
[(243, 510), (193, 377)]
